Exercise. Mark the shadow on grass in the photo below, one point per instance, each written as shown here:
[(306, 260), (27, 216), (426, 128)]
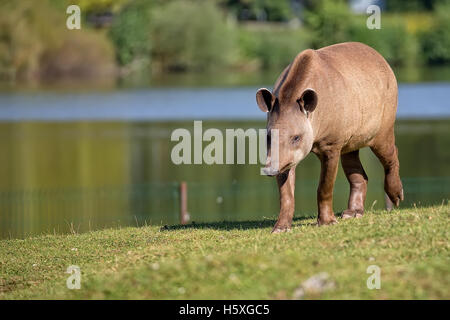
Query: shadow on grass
[(233, 225)]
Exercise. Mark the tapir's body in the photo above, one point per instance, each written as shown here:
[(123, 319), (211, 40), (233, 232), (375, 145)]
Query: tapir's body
[(333, 102)]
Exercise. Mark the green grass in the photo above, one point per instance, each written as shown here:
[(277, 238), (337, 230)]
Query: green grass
[(238, 260)]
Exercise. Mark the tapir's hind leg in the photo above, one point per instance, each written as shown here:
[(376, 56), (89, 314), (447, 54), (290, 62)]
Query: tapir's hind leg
[(357, 178), (385, 149)]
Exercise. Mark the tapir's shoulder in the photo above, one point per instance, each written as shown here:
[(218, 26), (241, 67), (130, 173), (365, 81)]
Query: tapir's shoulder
[(348, 52), (305, 58), (353, 47), (303, 65)]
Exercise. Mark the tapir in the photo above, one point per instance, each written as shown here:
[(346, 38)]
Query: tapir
[(332, 102)]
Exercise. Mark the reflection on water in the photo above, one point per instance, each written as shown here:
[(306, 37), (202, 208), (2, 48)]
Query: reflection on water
[(76, 176)]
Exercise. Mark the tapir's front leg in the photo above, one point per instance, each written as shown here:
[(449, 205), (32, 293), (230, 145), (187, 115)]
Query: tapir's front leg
[(286, 186), (329, 166)]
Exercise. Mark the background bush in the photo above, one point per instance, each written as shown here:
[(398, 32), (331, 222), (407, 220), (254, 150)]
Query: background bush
[(435, 43), (332, 22), (392, 41), (329, 22), (130, 33), (264, 10), (190, 35), (271, 48), (36, 45)]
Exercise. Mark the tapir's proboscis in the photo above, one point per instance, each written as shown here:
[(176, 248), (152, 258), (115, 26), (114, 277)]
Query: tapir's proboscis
[(332, 102)]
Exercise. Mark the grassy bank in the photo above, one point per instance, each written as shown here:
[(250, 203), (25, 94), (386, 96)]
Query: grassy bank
[(238, 260)]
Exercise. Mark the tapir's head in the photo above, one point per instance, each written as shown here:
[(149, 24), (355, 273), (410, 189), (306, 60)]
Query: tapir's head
[(291, 119)]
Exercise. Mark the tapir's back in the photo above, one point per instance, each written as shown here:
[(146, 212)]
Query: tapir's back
[(366, 99)]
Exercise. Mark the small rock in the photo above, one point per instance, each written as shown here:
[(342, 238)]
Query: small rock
[(315, 285), (155, 266), (234, 278)]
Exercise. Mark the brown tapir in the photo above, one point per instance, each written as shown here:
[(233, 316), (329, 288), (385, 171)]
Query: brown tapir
[(332, 102)]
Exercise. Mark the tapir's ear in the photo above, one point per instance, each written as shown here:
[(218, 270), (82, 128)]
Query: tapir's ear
[(308, 101), (264, 99)]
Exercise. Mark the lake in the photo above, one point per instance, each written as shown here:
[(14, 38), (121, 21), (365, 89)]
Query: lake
[(74, 162)]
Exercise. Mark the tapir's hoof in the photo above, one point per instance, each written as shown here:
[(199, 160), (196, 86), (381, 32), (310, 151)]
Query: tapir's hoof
[(347, 214), (395, 193), (327, 222), (397, 198), (400, 198), (281, 229)]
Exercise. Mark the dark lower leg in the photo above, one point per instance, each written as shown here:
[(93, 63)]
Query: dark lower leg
[(388, 156), (357, 178), (286, 187)]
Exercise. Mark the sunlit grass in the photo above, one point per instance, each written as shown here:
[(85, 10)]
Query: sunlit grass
[(238, 260)]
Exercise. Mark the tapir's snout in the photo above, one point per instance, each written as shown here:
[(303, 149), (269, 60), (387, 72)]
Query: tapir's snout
[(269, 171)]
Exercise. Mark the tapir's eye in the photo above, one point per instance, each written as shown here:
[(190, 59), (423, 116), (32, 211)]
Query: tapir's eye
[(295, 139)]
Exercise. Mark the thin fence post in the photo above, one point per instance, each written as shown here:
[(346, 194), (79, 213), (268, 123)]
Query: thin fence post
[(184, 215)]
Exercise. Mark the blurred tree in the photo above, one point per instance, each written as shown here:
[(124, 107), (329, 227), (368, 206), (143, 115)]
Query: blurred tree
[(24, 37), (436, 42), (190, 35), (32, 46), (272, 48), (130, 32), (89, 6), (411, 5), (329, 21), (263, 10), (392, 41)]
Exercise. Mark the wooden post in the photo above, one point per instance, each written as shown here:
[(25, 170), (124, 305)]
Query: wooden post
[(389, 204), (184, 215)]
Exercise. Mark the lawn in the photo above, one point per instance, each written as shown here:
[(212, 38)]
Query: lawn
[(239, 260)]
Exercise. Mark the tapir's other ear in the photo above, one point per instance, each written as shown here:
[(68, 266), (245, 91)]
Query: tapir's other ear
[(264, 99), (308, 101)]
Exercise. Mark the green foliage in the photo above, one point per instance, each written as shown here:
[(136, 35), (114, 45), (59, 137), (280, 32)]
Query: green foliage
[(392, 41), (329, 22), (100, 5), (267, 10), (35, 44), (130, 33), (411, 5), (88, 6), (25, 35), (332, 22), (190, 35), (272, 48), (435, 43), (196, 35)]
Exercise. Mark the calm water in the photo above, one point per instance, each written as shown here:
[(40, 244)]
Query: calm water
[(415, 100), (77, 162)]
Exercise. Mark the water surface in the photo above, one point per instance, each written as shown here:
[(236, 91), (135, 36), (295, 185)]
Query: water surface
[(77, 176), (424, 100)]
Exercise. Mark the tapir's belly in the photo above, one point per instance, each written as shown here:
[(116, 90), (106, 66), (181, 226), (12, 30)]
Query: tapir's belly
[(364, 125)]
